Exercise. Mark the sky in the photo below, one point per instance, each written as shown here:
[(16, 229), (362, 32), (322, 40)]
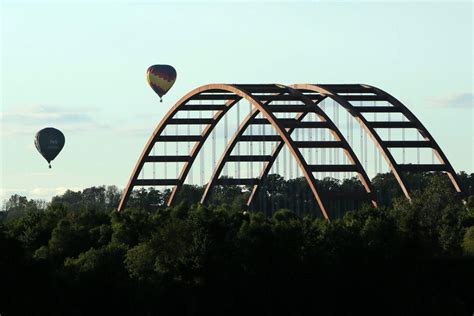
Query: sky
[(80, 66)]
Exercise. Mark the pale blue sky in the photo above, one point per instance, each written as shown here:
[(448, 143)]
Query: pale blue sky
[(80, 66)]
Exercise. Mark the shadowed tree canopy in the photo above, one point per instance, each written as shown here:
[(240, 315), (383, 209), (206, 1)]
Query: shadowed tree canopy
[(216, 259)]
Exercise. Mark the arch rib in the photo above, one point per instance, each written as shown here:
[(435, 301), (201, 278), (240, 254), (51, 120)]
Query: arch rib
[(312, 108), (194, 152), (232, 94), (347, 149), (289, 142), (231, 145), (363, 122), (427, 136), (332, 91)]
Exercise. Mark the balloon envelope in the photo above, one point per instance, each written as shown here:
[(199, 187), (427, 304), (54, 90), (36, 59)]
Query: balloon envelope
[(49, 142), (161, 78)]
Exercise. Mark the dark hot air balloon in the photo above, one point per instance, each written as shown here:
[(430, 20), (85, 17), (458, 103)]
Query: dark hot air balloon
[(161, 78), (49, 142)]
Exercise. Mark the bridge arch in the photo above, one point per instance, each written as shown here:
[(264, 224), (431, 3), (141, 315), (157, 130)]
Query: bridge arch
[(343, 94), (261, 98)]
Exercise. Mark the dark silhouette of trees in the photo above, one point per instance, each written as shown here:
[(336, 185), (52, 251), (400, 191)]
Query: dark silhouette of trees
[(76, 255)]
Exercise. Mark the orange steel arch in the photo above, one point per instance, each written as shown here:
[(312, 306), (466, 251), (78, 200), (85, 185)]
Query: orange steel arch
[(237, 92), (261, 97), (343, 94), (312, 107), (156, 136)]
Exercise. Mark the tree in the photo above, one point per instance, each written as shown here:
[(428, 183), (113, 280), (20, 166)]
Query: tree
[(112, 197), (216, 259), (468, 241)]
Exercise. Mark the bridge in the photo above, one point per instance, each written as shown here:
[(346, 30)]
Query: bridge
[(302, 130)]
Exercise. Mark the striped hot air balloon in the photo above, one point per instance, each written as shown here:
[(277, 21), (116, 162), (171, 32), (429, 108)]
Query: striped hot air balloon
[(161, 78)]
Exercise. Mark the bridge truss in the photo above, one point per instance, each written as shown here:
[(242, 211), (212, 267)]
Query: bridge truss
[(281, 112)]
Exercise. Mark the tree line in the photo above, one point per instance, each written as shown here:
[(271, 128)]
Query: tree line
[(76, 255)]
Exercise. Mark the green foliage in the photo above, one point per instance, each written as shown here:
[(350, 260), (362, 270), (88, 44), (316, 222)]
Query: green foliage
[(95, 198), (131, 227), (96, 261), (197, 260), (468, 241), (140, 261), (431, 223)]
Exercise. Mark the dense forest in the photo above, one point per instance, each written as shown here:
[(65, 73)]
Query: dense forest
[(75, 255)]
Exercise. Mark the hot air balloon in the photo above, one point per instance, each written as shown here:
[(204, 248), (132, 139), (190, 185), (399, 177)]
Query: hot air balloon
[(49, 142), (161, 78)]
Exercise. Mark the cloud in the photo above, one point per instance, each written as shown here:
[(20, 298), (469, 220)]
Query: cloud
[(47, 192), (458, 100), (23, 120), (54, 114), (35, 193)]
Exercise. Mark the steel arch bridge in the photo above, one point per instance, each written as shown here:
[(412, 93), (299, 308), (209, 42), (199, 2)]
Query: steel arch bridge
[(268, 102)]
